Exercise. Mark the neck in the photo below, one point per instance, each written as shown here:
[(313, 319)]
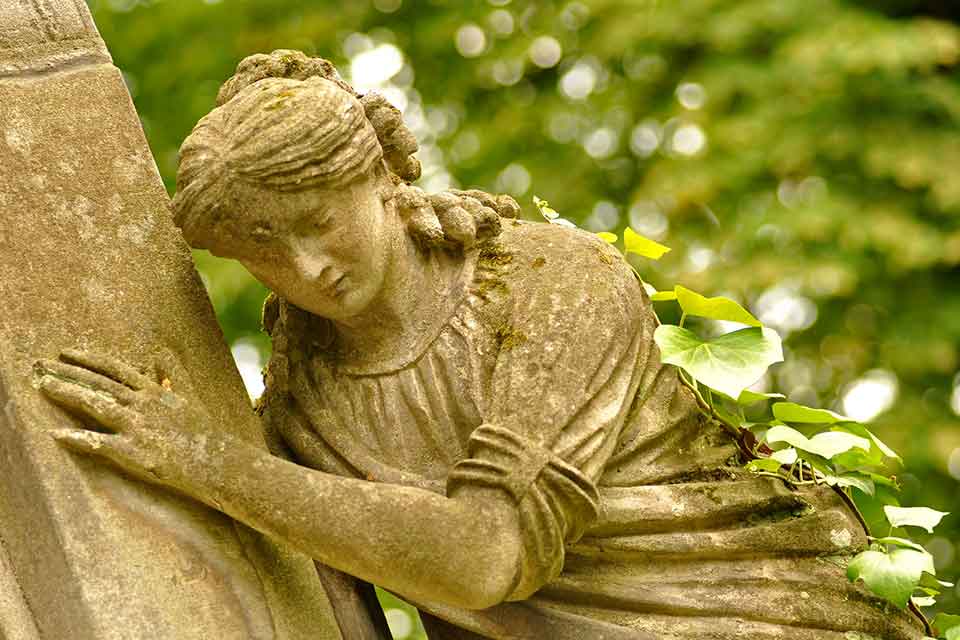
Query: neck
[(416, 294)]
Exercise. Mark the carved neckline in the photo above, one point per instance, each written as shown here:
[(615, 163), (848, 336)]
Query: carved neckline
[(357, 364)]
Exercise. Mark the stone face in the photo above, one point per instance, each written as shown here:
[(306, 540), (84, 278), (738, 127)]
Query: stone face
[(90, 258)]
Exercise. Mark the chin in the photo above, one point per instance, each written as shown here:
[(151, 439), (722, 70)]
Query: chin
[(345, 306)]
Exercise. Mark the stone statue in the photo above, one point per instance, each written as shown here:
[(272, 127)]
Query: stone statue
[(465, 409)]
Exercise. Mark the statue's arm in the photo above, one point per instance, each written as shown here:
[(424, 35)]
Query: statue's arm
[(462, 551)]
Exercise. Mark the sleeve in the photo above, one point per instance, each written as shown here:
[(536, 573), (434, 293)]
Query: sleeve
[(570, 359)]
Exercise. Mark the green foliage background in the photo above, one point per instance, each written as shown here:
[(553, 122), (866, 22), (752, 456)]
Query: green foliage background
[(802, 156)]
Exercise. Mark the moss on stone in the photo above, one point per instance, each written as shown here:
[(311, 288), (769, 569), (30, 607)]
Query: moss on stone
[(493, 256), (491, 285), (508, 337)]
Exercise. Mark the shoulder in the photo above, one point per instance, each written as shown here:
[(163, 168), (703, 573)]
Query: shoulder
[(571, 266), (564, 282)]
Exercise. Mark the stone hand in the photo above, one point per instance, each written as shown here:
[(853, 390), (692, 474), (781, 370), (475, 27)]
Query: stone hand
[(132, 419)]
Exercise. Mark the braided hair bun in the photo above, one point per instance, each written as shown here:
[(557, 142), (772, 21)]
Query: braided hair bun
[(397, 141)]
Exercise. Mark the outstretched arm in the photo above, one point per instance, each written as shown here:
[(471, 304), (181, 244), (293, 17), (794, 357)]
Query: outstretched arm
[(462, 551)]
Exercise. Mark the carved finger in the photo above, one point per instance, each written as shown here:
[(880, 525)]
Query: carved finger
[(443, 200), (458, 225), (487, 220), (410, 199), (122, 393), (90, 442), (100, 407), (483, 197), (112, 447), (507, 207), (108, 366), (425, 227)]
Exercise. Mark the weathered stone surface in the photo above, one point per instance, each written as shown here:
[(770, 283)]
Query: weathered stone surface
[(43, 35), (89, 257)]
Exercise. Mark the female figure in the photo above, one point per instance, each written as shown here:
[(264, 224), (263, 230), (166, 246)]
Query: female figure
[(473, 409)]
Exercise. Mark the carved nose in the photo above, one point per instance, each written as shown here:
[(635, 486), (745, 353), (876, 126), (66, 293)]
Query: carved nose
[(309, 263)]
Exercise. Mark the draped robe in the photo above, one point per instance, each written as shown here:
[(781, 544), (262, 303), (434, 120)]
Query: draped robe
[(637, 518)]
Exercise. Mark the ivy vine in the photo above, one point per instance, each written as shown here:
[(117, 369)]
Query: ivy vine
[(797, 444)]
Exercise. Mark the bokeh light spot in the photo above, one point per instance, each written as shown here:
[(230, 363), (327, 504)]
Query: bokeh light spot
[(579, 82), (648, 220), (514, 179), (387, 6), (371, 69), (955, 396), (471, 41), (604, 217), (785, 310), (953, 463), (645, 138), (691, 95), (866, 398), (508, 72), (545, 52), (501, 22), (601, 143), (688, 140)]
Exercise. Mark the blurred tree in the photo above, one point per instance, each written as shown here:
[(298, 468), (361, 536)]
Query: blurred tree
[(799, 155)]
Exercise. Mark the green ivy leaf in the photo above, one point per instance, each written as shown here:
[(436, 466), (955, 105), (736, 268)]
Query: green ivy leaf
[(860, 430), (729, 363), (931, 582), (900, 542), (947, 626), (793, 412), (923, 517), (545, 210), (769, 465), (718, 308), (826, 445), (855, 480), (893, 575), (663, 296), (608, 237), (748, 397), (785, 456), (633, 242)]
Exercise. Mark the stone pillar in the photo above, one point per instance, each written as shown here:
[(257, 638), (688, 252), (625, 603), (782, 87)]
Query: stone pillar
[(89, 257)]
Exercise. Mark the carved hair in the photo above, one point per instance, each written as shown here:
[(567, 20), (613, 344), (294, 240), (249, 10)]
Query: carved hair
[(289, 122)]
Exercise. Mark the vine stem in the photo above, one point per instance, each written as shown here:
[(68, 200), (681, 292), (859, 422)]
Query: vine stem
[(791, 481), (708, 410)]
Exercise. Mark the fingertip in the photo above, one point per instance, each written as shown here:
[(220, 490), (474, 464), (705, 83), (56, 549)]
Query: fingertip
[(75, 439), (72, 354), (45, 381)]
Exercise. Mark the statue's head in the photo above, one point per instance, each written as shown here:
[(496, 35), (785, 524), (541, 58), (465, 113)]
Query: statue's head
[(299, 179)]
